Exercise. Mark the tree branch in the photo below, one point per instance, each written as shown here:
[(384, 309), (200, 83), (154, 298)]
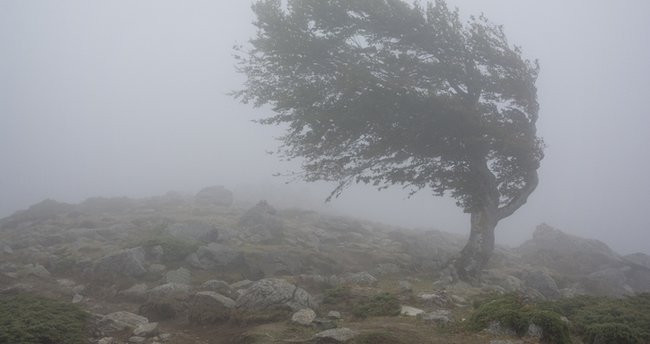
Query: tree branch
[(531, 183)]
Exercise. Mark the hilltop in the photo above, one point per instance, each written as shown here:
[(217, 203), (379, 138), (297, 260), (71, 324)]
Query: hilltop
[(200, 269)]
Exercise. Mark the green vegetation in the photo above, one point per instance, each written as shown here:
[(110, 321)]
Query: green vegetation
[(600, 320), (337, 295), (513, 313), (28, 319), (611, 320), (612, 334), (384, 304)]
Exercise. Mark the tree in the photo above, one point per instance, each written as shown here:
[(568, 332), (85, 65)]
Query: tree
[(386, 93)]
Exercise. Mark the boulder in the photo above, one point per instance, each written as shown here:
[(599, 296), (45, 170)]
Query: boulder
[(130, 262), (303, 317), (273, 292), (136, 293), (641, 259), (214, 195), (179, 276), (607, 282), (566, 254), (208, 307), (541, 282), (146, 330), (336, 315), (167, 301), (217, 255), (119, 321), (36, 270), (410, 311), (260, 224)]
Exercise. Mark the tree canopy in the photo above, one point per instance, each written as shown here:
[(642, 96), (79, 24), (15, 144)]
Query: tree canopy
[(388, 93)]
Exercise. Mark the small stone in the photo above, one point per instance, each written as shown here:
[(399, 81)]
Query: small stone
[(77, 298), (304, 317), (334, 315), (405, 286), (136, 339), (165, 337), (410, 311)]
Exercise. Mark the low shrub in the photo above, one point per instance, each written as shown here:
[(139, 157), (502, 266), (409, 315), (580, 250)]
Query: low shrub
[(384, 304), (29, 319), (512, 312), (611, 334), (592, 315)]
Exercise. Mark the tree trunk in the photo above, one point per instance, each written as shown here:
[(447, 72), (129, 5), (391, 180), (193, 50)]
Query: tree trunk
[(477, 251)]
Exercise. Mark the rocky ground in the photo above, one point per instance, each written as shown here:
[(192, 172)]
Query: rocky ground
[(179, 269)]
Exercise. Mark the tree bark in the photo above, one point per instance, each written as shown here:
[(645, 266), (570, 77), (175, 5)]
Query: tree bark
[(476, 253)]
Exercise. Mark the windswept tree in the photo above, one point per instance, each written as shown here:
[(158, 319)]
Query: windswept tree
[(387, 93)]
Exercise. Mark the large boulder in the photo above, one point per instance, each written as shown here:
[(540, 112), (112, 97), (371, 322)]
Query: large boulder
[(214, 195), (167, 301), (208, 307), (567, 254), (273, 292), (542, 282), (261, 224), (119, 321), (641, 259), (130, 262), (607, 282), (179, 276)]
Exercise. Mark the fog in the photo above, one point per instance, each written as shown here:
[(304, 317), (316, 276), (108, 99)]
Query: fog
[(129, 98)]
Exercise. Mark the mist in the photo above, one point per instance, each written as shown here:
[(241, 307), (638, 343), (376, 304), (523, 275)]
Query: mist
[(126, 98)]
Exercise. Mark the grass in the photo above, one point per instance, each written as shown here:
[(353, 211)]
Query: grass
[(361, 306), (29, 319)]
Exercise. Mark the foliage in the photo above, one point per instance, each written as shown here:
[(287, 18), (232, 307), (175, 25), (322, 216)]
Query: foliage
[(384, 304), (595, 319), (591, 315), (612, 334), (337, 295), (383, 92), (513, 313), (28, 319)]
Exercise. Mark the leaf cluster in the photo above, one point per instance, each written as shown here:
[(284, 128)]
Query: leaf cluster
[(387, 93)]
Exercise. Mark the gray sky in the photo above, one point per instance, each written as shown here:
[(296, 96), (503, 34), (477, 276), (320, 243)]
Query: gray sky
[(121, 97)]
